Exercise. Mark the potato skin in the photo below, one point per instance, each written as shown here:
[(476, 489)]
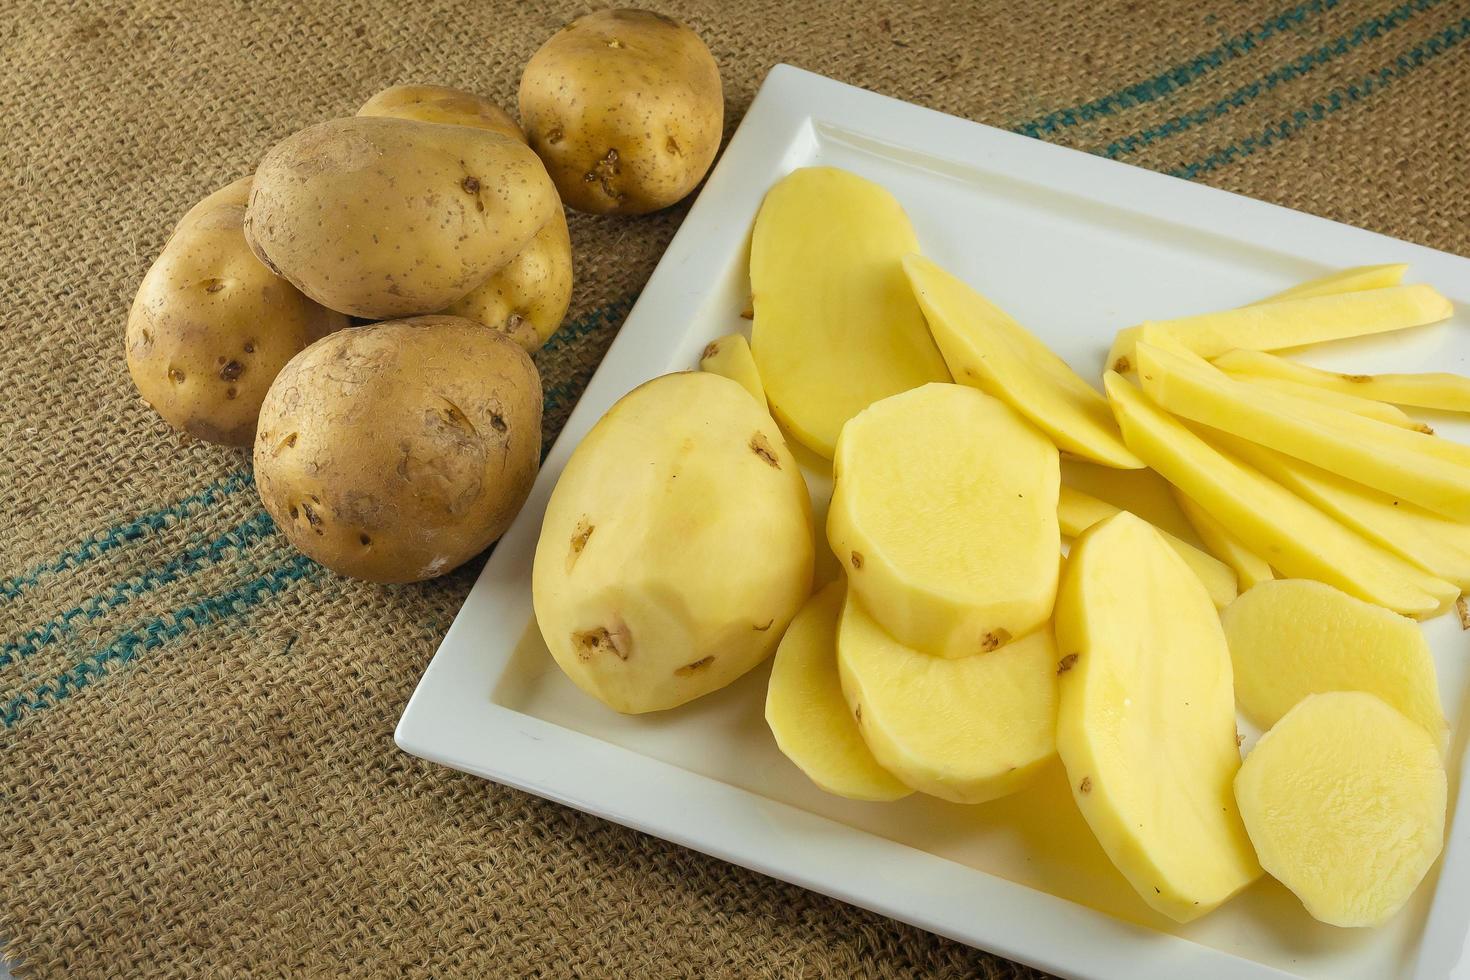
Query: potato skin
[(444, 105), (625, 108), (397, 451), (211, 326), (381, 217), (527, 299)]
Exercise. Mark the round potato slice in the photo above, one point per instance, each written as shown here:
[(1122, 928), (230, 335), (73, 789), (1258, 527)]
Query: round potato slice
[(966, 730), (808, 714), (945, 513), (1344, 800)]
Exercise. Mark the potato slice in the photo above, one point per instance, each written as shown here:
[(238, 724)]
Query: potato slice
[(1437, 390), (808, 714), (1250, 568), (945, 513), (1146, 719), (986, 349), (1294, 637), (1366, 407), (730, 357), (1436, 544), (1276, 524), (1344, 800), (1347, 281), (1288, 322), (1076, 512), (965, 730), (836, 325), (1411, 465)]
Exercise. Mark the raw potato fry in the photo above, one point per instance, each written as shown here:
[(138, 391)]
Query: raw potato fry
[(988, 350), (1288, 323), (1411, 465), (1294, 637), (809, 716), (1346, 281), (1250, 568), (1436, 544), (1344, 800), (965, 730), (1076, 512), (1366, 407), (730, 356), (1437, 390), (836, 325), (945, 514), (1286, 531), (1146, 719)]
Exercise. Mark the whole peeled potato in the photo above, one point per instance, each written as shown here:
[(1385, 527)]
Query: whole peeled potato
[(527, 298), (211, 326), (381, 217), (625, 108), (676, 546), (396, 451), (444, 105)]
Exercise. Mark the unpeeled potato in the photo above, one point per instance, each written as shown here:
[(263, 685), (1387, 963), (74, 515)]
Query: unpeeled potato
[(442, 104)]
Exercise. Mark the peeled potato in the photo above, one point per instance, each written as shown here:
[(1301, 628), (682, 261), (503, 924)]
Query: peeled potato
[(1344, 799), (730, 356), (1293, 637), (945, 513), (676, 546), (836, 324), (965, 730), (808, 715), (1146, 719)]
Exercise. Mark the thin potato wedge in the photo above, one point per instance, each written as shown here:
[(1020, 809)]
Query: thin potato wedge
[(1250, 568), (1292, 535), (1436, 390), (1366, 407), (730, 356)]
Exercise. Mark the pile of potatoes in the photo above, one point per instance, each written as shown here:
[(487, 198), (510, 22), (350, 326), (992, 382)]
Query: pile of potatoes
[(936, 639), (397, 449)]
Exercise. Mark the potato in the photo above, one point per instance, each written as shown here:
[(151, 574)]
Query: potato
[(625, 108), (1076, 512), (381, 217), (1345, 800), (396, 451), (1293, 637), (1346, 281), (1436, 544), (950, 539), (966, 730), (1286, 531), (1146, 719), (808, 715), (1438, 390), (676, 547), (444, 105), (730, 356), (527, 298), (211, 326), (1298, 322), (1366, 407), (836, 324), (1431, 472), (1250, 568), (988, 350)]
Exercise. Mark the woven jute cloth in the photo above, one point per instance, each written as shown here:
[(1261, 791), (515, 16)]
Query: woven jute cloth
[(197, 771)]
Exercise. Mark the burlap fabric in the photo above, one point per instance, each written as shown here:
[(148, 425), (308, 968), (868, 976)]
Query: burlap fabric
[(197, 773)]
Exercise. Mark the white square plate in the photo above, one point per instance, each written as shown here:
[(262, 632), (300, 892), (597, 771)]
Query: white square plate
[(1075, 247)]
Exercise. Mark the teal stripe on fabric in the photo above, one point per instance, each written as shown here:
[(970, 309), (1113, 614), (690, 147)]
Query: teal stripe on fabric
[(153, 633), (1177, 77), (201, 556), (1370, 29), (121, 534), (1335, 101)]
